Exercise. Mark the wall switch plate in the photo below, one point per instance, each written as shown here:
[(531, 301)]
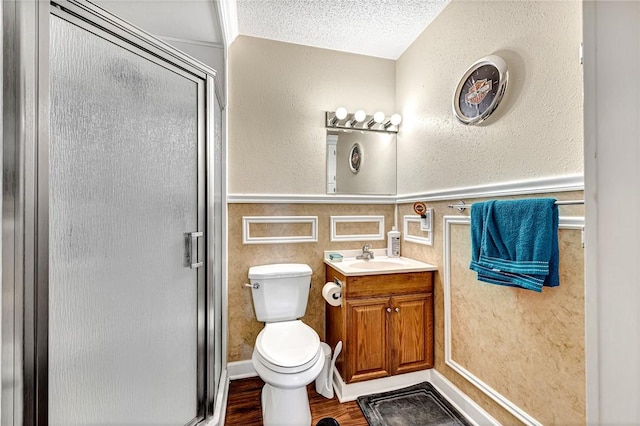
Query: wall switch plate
[(426, 221)]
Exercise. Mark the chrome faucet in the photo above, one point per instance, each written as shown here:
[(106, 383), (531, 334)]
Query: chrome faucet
[(366, 253)]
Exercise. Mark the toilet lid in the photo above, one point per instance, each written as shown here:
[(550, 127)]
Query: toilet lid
[(288, 344)]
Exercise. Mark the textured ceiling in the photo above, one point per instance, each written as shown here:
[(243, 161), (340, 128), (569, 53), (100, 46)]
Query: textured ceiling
[(382, 28)]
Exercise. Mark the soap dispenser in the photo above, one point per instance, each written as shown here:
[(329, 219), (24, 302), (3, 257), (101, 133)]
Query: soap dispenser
[(393, 243)]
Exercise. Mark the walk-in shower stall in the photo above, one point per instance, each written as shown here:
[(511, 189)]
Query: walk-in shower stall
[(112, 222)]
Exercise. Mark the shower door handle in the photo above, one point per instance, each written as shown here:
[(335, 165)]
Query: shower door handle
[(191, 249)]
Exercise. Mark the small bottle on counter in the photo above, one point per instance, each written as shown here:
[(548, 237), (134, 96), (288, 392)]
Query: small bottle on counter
[(393, 243)]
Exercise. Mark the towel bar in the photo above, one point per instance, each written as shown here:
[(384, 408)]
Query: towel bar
[(461, 205)]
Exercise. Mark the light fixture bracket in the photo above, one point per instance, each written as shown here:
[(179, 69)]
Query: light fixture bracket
[(349, 123)]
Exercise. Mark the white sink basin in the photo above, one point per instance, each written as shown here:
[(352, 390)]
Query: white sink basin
[(380, 264)]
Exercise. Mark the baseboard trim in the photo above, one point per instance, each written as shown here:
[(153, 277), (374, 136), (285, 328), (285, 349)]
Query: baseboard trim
[(241, 370), (469, 408), (351, 392)]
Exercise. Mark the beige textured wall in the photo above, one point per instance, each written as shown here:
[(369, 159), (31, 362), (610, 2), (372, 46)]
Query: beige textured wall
[(278, 93), (528, 346), (243, 326), (537, 129)]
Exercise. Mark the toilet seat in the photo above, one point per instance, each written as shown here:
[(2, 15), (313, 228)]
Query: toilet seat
[(288, 347)]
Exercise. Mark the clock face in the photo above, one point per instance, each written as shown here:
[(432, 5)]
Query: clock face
[(480, 90), (355, 158)]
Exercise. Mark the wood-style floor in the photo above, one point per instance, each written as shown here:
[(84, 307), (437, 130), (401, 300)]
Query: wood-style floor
[(243, 406)]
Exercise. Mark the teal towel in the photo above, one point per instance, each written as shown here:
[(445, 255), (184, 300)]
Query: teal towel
[(515, 243)]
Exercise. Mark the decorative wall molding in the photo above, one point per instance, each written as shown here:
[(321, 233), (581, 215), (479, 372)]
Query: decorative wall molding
[(335, 220), (309, 199), (523, 187), (448, 221), (247, 221), (418, 239), (501, 189), (571, 222), (228, 20)]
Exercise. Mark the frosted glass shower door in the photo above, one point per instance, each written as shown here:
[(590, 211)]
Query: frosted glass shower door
[(126, 327)]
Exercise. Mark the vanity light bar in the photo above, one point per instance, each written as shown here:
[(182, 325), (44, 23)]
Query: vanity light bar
[(378, 122)]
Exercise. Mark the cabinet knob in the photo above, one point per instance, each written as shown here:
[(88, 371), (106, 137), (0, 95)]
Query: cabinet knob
[(397, 309), (388, 309)]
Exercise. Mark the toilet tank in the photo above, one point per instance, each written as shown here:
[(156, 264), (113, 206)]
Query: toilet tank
[(280, 291)]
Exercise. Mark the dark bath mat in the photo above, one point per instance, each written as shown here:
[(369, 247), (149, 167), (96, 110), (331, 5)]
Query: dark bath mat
[(419, 404)]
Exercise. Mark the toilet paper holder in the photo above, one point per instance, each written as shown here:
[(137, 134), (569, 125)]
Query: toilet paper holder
[(332, 292), (339, 284)]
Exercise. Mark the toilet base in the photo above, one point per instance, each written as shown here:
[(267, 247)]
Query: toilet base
[(285, 406)]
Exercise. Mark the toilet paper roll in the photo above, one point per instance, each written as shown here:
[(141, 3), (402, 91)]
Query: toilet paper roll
[(332, 293)]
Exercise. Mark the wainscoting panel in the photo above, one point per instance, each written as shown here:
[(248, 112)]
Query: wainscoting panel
[(357, 228), (279, 229), (242, 323), (523, 349), (413, 233)]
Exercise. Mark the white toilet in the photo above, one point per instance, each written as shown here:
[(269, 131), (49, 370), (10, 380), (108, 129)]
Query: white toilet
[(287, 355)]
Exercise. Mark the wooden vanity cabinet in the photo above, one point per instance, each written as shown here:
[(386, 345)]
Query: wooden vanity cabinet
[(385, 323)]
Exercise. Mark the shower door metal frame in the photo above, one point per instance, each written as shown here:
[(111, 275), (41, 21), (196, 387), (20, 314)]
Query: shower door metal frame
[(25, 203)]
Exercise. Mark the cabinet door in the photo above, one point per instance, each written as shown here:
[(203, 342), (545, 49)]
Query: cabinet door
[(366, 346), (412, 333)]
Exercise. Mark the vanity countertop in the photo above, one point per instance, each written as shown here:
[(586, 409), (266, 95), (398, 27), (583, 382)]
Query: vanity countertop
[(380, 264)]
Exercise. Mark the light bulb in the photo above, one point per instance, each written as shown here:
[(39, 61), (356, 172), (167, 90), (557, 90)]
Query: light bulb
[(378, 117), (393, 121), (359, 116), (340, 114)]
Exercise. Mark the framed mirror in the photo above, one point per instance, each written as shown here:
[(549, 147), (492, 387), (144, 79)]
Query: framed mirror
[(361, 162)]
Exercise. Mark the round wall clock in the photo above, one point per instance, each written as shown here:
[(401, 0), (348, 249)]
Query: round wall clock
[(355, 158), (480, 90)]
